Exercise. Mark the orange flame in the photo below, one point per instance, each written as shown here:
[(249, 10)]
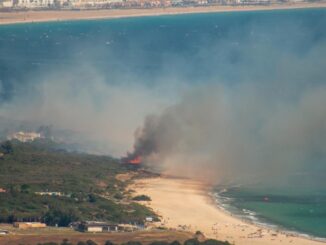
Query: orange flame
[(136, 160)]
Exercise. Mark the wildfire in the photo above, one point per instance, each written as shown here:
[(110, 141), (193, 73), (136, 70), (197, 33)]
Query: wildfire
[(135, 160)]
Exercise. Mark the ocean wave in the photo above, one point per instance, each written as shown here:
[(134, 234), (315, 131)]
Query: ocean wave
[(227, 205)]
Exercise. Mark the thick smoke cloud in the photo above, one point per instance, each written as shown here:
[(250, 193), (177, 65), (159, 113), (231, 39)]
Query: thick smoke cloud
[(265, 125), (215, 100), (217, 134)]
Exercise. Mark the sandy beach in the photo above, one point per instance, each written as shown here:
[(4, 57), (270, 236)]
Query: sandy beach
[(185, 205), (62, 15)]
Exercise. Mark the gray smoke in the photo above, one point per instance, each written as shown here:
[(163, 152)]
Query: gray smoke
[(91, 112), (221, 134), (260, 118), (245, 104)]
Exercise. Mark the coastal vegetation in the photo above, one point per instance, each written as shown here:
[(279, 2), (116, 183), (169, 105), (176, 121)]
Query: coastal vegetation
[(42, 182), (141, 198), (192, 241)]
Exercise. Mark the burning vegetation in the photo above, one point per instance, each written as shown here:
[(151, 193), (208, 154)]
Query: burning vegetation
[(135, 160), (145, 142), (131, 159)]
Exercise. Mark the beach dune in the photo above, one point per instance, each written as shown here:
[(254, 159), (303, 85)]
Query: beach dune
[(185, 205)]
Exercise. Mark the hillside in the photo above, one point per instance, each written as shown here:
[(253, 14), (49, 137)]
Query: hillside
[(84, 186)]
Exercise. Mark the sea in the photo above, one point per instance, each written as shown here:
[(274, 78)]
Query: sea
[(293, 211), (197, 49)]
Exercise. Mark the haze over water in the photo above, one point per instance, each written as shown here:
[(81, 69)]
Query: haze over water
[(237, 98)]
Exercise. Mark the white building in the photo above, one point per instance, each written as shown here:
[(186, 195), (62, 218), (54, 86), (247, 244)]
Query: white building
[(6, 3), (95, 226), (49, 193), (34, 3), (149, 219), (24, 136), (4, 232)]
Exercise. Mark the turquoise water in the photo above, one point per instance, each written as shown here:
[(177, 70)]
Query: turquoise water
[(195, 49), (303, 212), (224, 48)]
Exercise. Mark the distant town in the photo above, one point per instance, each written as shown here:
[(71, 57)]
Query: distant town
[(10, 5)]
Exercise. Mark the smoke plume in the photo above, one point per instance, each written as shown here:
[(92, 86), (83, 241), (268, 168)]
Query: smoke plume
[(235, 97), (218, 134)]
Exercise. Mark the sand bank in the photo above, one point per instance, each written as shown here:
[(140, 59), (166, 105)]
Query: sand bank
[(184, 204), (62, 15)]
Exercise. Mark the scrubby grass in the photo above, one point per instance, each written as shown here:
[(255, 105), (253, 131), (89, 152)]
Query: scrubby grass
[(87, 183), (142, 198)]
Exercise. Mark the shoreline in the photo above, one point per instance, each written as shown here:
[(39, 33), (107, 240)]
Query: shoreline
[(34, 16), (171, 199), (266, 225)]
